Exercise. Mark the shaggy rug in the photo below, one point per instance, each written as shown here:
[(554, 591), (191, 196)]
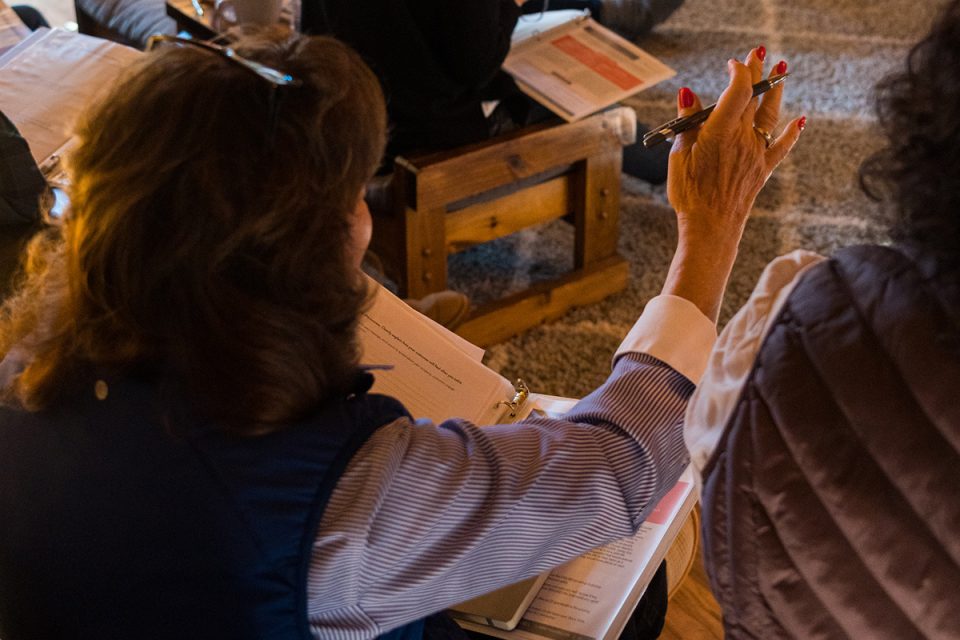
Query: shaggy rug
[(836, 51)]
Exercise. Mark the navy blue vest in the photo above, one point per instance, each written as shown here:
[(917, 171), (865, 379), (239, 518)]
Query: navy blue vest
[(123, 519)]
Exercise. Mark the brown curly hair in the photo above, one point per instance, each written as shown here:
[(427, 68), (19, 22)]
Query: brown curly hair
[(205, 243), (919, 169)]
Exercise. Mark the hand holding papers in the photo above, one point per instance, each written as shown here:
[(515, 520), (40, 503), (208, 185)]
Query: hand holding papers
[(580, 67)]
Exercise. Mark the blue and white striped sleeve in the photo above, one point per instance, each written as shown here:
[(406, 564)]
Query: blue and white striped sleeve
[(427, 516)]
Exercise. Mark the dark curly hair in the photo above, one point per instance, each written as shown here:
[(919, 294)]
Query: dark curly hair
[(919, 169), (207, 241)]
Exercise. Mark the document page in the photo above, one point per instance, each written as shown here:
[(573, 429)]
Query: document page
[(47, 80), (435, 373), (593, 596), (581, 67)]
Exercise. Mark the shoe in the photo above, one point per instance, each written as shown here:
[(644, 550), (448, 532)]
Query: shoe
[(634, 19), (448, 308)]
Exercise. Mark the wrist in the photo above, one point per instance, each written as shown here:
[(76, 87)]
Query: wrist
[(718, 229), (700, 269)]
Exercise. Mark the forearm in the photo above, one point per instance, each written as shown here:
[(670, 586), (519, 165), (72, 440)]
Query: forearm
[(425, 516), (700, 269)]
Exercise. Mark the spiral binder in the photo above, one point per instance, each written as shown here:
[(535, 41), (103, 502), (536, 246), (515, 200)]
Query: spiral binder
[(514, 406)]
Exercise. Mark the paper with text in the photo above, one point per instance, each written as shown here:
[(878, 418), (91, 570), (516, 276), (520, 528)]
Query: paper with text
[(580, 67), (436, 374)]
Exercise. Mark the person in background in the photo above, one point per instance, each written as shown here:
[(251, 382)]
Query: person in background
[(23, 190), (30, 16), (188, 447), (438, 61), (827, 425), (23, 196), (632, 19), (22, 186)]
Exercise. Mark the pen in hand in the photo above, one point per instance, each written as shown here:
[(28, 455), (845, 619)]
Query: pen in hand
[(678, 125)]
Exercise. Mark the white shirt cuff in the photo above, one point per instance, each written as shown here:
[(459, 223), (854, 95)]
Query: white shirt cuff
[(673, 330)]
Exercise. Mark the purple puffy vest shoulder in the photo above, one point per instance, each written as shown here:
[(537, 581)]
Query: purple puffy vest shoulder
[(832, 505)]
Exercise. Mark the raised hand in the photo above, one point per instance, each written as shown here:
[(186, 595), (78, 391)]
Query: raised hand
[(715, 174)]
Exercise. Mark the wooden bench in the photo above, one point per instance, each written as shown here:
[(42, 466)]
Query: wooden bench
[(443, 203)]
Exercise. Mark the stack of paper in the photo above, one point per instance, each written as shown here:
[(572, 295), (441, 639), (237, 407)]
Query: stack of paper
[(50, 77)]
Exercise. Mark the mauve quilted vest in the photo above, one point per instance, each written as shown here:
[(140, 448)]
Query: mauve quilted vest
[(832, 505)]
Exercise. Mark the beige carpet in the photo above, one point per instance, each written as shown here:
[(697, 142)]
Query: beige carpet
[(837, 50)]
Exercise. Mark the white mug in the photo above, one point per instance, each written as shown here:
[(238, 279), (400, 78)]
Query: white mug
[(262, 12)]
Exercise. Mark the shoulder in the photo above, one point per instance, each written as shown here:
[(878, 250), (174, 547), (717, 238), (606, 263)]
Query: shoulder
[(775, 285), (735, 352), (866, 280), (864, 265)]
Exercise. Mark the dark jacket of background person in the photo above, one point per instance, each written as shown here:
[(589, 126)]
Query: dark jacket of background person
[(435, 60), (830, 507), (22, 187), (21, 183)]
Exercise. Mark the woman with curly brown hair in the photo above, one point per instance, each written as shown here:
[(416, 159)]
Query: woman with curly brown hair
[(827, 425), (187, 445)]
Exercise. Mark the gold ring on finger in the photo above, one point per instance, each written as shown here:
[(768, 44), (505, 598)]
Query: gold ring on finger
[(767, 138)]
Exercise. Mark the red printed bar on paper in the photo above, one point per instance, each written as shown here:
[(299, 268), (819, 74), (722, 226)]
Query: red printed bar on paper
[(603, 65), (661, 512)]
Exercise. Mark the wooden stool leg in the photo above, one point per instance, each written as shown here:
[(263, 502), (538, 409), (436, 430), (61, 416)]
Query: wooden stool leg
[(597, 211), (426, 252)]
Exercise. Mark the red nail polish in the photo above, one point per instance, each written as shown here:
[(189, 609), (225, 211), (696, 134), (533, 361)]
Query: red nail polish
[(802, 123), (761, 52), (781, 67), (686, 98)]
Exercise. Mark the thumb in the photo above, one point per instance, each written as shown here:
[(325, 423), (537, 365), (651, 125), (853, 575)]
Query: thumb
[(687, 104)]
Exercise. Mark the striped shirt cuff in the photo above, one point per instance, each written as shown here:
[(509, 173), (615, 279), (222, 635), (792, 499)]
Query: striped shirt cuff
[(673, 330)]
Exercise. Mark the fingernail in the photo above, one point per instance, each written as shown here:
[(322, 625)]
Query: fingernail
[(781, 67), (802, 123), (686, 98), (761, 52)]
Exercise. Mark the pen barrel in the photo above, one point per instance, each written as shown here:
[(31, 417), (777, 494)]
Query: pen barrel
[(762, 87), (678, 125)]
